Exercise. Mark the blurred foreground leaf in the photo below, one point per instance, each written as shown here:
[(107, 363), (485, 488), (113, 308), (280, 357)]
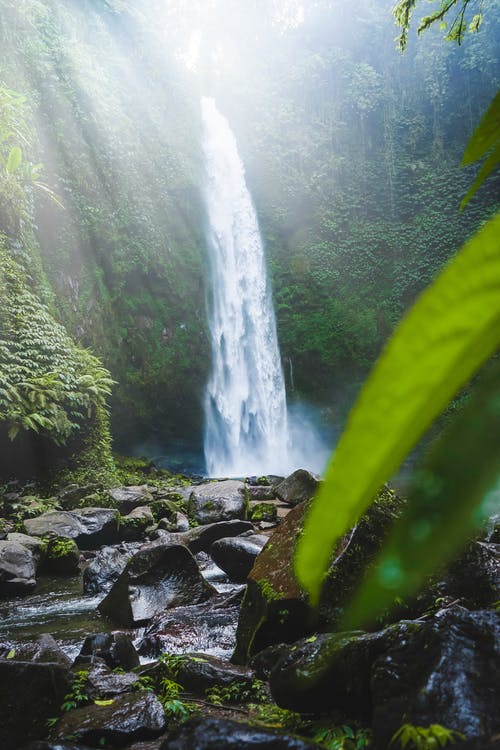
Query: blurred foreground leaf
[(450, 331), (457, 488), (485, 137)]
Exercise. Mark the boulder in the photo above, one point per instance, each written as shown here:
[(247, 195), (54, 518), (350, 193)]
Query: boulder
[(17, 569), (210, 626), (267, 512), (128, 718), (258, 493), (218, 501), (298, 487), (159, 576), (62, 557), (125, 499), (200, 672), (223, 734), (114, 649), (30, 693), (103, 683), (43, 649), (236, 555), (446, 672), (71, 496), (33, 543), (178, 523), (275, 609), (201, 538), (134, 525), (332, 671), (89, 527), (104, 569)]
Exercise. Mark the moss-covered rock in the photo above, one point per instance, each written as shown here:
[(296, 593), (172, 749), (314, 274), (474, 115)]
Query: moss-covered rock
[(274, 608), (62, 556), (263, 512)]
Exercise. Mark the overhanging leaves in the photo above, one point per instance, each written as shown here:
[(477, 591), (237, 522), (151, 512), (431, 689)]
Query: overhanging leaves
[(451, 330), (450, 496)]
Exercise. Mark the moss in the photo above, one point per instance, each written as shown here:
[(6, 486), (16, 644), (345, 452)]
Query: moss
[(263, 512), (268, 592), (60, 547)]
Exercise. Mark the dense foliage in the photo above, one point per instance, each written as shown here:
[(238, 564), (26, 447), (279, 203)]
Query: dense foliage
[(352, 157)]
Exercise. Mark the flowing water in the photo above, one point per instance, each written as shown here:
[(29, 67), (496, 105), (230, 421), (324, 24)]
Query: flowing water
[(246, 429)]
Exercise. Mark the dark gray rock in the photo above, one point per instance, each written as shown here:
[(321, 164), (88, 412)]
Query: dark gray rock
[(447, 672), (236, 555), (218, 501), (62, 557), (258, 493), (30, 693), (89, 527), (104, 569), (128, 718), (298, 487), (128, 498), (222, 734), (134, 525), (103, 683), (159, 576), (70, 497), (202, 627), (17, 569), (115, 650), (35, 546), (200, 672), (43, 649), (178, 522), (333, 670), (201, 538)]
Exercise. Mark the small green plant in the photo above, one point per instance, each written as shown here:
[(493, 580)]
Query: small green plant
[(78, 695), (173, 663), (343, 738), (237, 692), (271, 715), (425, 738)]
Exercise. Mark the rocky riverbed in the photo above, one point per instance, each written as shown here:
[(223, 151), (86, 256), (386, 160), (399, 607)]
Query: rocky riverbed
[(165, 615)]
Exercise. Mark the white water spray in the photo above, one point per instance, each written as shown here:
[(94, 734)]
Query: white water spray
[(245, 404)]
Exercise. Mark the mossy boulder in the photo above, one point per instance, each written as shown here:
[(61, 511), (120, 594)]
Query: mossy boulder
[(267, 512), (62, 556), (133, 526), (275, 609)]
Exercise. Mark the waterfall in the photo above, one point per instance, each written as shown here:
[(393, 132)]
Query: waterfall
[(246, 428)]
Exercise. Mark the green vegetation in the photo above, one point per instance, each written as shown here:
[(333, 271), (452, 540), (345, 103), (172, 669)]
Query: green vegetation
[(425, 738), (238, 692)]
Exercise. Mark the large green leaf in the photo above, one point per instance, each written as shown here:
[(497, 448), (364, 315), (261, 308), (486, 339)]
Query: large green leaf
[(458, 487), (14, 159), (451, 330), (486, 135)]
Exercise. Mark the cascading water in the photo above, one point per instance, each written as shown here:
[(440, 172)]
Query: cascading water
[(246, 428)]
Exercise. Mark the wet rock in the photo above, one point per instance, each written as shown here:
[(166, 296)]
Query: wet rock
[(54, 745), (104, 569), (128, 498), (179, 523), (298, 487), (474, 577), (128, 718), (159, 576), (199, 672), (70, 497), (275, 610), (211, 734), (258, 493), (265, 661), (134, 525), (210, 626), (201, 538), (236, 555), (447, 673), (267, 512), (30, 693), (17, 569), (89, 527), (102, 683), (35, 546), (43, 649), (116, 650), (62, 557), (217, 501), (333, 670)]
